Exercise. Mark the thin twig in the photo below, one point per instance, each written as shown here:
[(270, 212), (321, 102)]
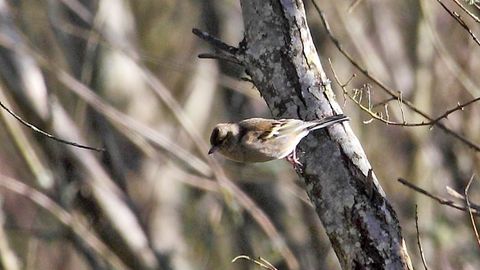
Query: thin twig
[(37, 130), (223, 57), (475, 18), (472, 219), (360, 105), (424, 262), (383, 102), (215, 42), (436, 198), (459, 196), (354, 99), (457, 70), (260, 261), (389, 91), (227, 52), (386, 120), (460, 107), (460, 21), (454, 193)]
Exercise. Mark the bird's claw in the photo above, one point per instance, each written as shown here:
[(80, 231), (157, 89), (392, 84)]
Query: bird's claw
[(293, 159)]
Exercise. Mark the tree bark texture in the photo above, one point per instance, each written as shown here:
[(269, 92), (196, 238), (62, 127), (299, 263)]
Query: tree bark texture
[(279, 55)]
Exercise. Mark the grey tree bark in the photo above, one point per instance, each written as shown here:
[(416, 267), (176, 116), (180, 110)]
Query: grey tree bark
[(279, 55), (282, 61)]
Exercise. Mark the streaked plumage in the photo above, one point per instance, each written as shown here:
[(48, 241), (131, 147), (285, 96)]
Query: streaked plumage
[(260, 140)]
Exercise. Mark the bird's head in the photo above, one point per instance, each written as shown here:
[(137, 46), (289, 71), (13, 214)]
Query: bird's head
[(220, 135)]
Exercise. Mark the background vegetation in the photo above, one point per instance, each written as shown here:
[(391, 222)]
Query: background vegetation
[(124, 76)]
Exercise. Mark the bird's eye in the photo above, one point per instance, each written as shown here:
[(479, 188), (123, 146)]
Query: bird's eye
[(214, 137), (218, 136)]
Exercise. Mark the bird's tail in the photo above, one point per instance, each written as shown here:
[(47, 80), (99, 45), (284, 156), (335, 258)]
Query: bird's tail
[(328, 121)]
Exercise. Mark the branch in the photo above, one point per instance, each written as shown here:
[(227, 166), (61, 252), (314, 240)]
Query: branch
[(391, 92), (472, 209), (475, 18), (37, 130), (233, 54), (215, 42), (380, 118), (467, 201), (424, 262), (459, 107), (368, 109), (280, 57), (260, 261), (460, 21), (440, 200), (228, 187), (219, 57)]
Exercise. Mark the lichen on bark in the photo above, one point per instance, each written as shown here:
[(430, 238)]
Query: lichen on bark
[(280, 57)]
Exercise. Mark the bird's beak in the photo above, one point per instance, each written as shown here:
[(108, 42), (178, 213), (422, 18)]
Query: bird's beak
[(213, 150)]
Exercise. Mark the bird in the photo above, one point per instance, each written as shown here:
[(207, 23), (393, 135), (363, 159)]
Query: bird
[(260, 140)]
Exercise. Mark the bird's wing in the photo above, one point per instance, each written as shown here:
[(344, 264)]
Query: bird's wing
[(259, 127), (270, 128)]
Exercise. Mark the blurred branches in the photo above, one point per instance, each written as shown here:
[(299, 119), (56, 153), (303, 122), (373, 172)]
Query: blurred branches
[(123, 75), (356, 96), (129, 123), (395, 94), (63, 217)]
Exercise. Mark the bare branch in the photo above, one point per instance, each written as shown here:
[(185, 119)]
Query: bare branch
[(386, 120), (260, 261), (383, 102), (475, 18), (215, 42), (459, 107), (424, 262), (440, 200), (467, 201), (460, 21), (278, 55), (37, 130), (389, 91), (219, 57)]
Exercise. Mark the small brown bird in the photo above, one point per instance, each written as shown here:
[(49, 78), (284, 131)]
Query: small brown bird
[(260, 140)]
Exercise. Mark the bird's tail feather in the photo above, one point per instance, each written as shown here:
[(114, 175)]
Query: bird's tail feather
[(328, 121)]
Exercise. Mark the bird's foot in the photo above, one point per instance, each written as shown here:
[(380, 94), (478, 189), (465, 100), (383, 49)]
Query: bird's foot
[(293, 159)]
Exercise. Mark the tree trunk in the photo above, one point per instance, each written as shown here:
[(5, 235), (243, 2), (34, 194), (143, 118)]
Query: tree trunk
[(280, 57)]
